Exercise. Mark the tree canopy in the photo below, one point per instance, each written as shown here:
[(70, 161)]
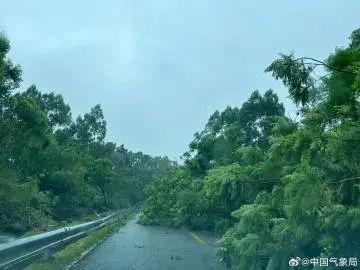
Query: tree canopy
[(55, 168), (272, 187)]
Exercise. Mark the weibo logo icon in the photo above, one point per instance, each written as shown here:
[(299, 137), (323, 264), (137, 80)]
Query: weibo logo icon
[(294, 261)]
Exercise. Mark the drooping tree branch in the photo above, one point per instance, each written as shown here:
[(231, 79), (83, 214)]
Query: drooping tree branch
[(322, 63)]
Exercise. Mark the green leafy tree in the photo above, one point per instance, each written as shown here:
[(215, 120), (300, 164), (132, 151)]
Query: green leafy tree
[(280, 188), (54, 168)]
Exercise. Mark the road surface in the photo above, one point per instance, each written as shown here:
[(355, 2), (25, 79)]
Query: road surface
[(153, 248), (4, 237)]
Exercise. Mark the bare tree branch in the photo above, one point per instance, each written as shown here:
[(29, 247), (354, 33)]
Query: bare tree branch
[(322, 63)]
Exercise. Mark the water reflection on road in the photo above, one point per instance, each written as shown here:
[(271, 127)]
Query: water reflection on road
[(4, 238), (153, 248)]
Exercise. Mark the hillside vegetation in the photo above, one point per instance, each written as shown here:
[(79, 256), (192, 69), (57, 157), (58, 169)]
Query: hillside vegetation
[(56, 168)]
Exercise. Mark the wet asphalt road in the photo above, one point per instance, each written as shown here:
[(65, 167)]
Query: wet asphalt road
[(6, 238), (153, 248)]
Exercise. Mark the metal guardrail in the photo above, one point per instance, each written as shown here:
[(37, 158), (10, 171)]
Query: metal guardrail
[(19, 253)]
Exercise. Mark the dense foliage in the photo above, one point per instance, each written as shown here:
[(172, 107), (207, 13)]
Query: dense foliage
[(52, 167), (276, 188)]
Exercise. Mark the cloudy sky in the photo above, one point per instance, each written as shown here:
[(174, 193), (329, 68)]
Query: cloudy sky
[(160, 68)]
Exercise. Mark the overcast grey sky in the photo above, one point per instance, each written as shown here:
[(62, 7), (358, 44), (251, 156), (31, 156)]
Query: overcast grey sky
[(160, 68)]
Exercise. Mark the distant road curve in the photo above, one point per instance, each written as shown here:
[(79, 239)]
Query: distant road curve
[(153, 248)]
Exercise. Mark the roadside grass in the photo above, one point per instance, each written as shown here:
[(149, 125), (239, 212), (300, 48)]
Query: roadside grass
[(63, 258)]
